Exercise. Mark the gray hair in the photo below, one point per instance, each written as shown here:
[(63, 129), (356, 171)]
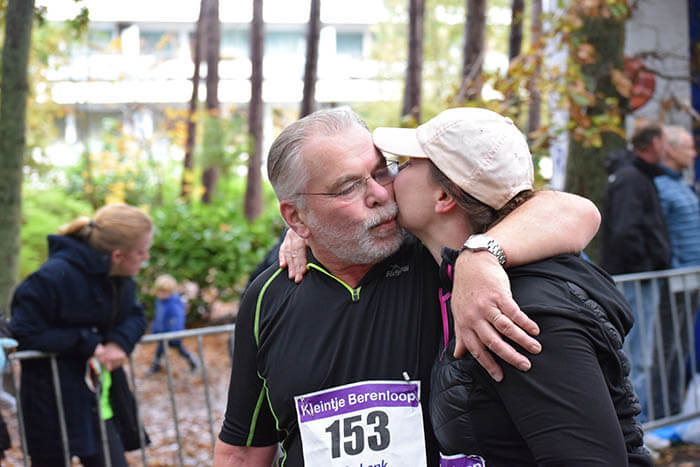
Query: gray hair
[(674, 135), (285, 167)]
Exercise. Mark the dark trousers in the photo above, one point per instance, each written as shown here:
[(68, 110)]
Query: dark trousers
[(116, 453), (674, 329), (177, 343)]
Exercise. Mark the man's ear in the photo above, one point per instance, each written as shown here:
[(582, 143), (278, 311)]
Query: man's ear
[(294, 218), (444, 202)]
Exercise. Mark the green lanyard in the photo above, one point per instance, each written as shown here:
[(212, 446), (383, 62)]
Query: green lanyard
[(105, 406)]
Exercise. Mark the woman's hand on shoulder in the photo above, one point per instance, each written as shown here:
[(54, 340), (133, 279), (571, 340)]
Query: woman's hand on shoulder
[(292, 255), (484, 314)]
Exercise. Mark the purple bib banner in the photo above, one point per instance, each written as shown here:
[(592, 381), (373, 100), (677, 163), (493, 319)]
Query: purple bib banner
[(462, 461), (357, 397)]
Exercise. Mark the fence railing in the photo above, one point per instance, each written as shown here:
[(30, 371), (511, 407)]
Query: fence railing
[(148, 339), (661, 347)]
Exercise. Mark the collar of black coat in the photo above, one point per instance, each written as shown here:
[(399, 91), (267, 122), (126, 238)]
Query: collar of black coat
[(651, 170), (79, 253)]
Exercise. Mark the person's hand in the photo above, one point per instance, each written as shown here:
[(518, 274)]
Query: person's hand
[(110, 355), (483, 307), (293, 255)]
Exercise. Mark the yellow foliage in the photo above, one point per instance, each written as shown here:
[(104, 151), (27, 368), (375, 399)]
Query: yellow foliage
[(586, 54), (112, 198), (622, 83)]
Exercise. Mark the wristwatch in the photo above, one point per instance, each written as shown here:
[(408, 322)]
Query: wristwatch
[(479, 242)]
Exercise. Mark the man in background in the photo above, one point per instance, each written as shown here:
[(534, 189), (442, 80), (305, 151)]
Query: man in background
[(682, 214), (635, 239)]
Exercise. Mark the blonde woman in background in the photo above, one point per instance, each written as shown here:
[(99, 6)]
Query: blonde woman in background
[(81, 305)]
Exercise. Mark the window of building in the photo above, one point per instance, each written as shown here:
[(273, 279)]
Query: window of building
[(349, 43), (285, 43), (100, 40), (160, 43), (234, 43)]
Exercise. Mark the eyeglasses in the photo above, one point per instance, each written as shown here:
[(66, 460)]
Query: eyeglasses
[(401, 163), (357, 189)]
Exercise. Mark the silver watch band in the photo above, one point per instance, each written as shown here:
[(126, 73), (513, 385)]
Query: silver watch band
[(479, 242)]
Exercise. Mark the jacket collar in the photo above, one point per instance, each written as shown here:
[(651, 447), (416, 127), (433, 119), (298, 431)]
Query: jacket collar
[(651, 170), (79, 253), (671, 173)]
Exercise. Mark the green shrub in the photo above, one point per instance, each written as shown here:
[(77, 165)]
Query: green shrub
[(212, 245), (43, 212)]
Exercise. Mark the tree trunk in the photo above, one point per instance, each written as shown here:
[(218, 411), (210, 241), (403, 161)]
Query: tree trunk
[(188, 165), (253, 193), (537, 48), (515, 40), (414, 71), (474, 50), (308, 102), (212, 40), (13, 109), (585, 172)]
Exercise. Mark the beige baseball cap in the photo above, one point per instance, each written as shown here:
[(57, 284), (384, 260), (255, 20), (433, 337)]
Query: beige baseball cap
[(481, 151)]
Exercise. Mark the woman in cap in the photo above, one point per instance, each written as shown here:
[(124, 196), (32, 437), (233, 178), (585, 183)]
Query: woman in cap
[(458, 175)]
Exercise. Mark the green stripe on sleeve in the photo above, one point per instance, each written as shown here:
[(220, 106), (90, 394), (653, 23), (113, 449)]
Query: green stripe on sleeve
[(254, 421), (256, 327)]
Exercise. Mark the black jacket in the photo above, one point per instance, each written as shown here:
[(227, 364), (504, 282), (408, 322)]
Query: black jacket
[(575, 406), (67, 307), (634, 233)]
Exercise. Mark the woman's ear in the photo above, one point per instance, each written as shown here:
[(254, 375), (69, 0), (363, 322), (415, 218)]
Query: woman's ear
[(444, 202), (117, 256), (294, 218)]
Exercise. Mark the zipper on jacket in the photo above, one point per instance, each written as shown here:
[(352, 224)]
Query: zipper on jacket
[(354, 293)]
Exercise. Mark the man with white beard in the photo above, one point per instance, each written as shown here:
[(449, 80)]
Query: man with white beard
[(335, 367)]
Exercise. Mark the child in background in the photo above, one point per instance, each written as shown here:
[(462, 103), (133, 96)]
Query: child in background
[(169, 316)]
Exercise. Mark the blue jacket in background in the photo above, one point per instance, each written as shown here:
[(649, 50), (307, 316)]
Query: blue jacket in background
[(68, 306), (169, 314), (682, 213)]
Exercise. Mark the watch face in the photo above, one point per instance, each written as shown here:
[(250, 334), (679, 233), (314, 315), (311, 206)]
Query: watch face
[(477, 241)]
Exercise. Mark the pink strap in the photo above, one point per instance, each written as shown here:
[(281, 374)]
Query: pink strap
[(443, 308)]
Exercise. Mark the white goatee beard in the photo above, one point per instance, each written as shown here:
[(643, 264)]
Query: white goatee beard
[(357, 244)]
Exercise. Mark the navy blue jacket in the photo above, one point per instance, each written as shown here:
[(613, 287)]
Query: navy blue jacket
[(68, 306)]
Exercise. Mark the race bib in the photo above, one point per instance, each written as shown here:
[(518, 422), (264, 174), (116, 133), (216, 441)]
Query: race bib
[(367, 424), (460, 460)]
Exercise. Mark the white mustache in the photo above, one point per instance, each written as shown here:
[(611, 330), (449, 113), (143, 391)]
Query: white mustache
[(382, 214)]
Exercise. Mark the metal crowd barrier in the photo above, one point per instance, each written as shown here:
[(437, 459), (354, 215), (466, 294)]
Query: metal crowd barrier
[(665, 305), (151, 338), (671, 299)]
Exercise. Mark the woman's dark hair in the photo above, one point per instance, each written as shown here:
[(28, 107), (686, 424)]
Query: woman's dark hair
[(481, 216)]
